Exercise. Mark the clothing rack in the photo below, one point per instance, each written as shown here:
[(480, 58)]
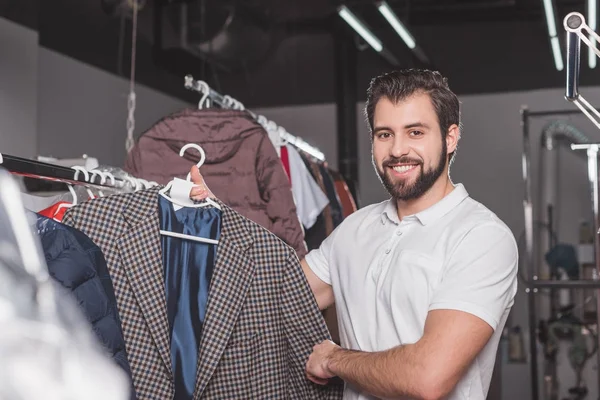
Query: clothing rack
[(57, 173), (226, 101)]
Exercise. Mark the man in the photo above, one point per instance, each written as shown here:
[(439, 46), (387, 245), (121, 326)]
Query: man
[(423, 282)]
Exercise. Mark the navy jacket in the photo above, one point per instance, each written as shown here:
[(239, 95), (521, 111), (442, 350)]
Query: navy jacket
[(78, 265)]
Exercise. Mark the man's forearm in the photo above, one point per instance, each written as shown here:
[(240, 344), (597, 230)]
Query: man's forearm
[(392, 373)]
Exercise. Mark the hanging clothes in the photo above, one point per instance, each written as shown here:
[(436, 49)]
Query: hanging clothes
[(308, 195), (188, 269), (242, 167), (285, 161), (56, 211), (334, 201), (261, 319), (78, 265), (346, 199), (316, 170)]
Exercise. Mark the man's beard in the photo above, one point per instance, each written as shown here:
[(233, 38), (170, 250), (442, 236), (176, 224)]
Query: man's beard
[(402, 189)]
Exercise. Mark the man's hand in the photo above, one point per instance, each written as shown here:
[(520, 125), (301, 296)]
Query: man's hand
[(200, 191), (317, 367)]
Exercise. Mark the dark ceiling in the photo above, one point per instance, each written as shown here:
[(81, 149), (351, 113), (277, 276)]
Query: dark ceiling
[(285, 48)]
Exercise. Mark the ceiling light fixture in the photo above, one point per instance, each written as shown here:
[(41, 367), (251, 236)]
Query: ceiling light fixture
[(592, 12), (360, 28), (395, 22), (554, 42)]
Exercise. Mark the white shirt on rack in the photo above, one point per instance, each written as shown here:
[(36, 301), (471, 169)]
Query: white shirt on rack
[(308, 196), (388, 274)]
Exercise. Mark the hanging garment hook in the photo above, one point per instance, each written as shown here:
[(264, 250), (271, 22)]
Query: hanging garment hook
[(145, 183), (134, 183), (205, 89), (102, 179), (111, 177), (83, 170), (283, 136), (227, 101), (95, 172), (202, 156), (262, 120), (86, 176)]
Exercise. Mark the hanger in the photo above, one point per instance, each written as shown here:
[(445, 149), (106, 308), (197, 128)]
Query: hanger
[(179, 194), (102, 179), (86, 176), (73, 193), (205, 89)]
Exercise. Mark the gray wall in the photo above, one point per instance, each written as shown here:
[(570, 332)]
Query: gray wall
[(83, 109), (18, 89)]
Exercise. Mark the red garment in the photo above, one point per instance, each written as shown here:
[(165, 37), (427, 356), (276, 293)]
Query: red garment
[(54, 212), (285, 160)]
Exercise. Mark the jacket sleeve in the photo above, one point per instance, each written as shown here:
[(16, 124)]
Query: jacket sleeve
[(304, 328), (276, 192)]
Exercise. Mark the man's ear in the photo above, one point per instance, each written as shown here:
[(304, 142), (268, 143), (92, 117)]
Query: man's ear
[(452, 138)]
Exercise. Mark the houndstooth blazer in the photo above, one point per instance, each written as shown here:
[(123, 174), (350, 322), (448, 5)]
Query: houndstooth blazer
[(262, 319)]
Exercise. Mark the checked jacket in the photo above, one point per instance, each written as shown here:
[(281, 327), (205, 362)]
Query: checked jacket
[(262, 319)]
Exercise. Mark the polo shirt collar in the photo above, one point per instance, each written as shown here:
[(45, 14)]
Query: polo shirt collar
[(429, 215)]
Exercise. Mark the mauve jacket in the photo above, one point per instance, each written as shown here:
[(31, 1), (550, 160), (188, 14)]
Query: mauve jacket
[(242, 167)]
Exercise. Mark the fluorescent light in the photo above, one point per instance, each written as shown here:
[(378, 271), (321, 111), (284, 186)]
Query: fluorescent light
[(549, 9), (558, 61), (395, 22), (360, 28), (592, 22)]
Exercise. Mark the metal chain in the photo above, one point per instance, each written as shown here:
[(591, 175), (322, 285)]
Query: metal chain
[(131, 99)]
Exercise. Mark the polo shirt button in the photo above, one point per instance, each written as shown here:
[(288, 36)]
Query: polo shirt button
[(387, 251), (398, 233)]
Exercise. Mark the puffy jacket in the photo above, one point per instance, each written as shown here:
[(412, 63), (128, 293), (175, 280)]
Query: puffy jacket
[(78, 265), (242, 167)]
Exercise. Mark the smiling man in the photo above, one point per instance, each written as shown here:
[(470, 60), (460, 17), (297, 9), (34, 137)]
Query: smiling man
[(423, 283)]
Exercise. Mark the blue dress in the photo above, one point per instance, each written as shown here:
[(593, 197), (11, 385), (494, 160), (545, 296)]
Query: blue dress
[(188, 267)]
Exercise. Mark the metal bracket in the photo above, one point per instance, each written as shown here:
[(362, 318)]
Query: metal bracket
[(577, 29)]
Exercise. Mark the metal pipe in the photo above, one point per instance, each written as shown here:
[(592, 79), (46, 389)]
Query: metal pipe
[(528, 210), (592, 154), (557, 112), (556, 284)]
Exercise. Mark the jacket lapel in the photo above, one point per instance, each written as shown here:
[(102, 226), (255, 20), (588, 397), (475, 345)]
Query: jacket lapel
[(232, 276), (141, 256)]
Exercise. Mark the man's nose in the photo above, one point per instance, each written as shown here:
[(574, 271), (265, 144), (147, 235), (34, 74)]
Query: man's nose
[(400, 146)]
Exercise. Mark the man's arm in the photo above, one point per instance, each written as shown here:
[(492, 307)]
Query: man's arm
[(322, 291), (427, 369)]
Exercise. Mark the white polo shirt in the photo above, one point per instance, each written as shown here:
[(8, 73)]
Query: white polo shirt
[(387, 274)]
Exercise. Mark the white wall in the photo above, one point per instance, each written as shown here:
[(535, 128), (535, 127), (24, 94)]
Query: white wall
[(18, 89), (83, 110), (488, 163)]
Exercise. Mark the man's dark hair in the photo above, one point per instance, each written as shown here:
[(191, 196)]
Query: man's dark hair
[(398, 85)]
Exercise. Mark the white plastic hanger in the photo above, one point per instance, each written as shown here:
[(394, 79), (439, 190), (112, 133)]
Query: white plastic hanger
[(179, 194), (205, 89), (67, 205), (102, 179), (87, 179)]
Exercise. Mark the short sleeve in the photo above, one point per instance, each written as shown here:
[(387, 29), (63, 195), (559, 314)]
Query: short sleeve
[(319, 259), (481, 275)]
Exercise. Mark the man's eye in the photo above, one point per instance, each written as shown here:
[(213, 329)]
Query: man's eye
[(416, 133), (384, 135)]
